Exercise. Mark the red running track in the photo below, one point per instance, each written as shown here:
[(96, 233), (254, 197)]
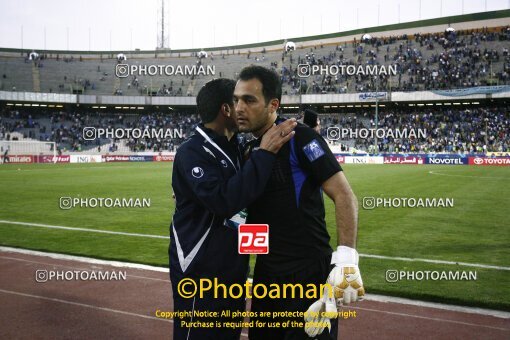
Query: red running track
[(126, 309)]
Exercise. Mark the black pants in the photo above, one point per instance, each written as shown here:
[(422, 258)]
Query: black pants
[(207, 303), (316, 275)]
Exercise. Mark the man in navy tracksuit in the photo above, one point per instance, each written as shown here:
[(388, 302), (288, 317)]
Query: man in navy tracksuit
[(211, 188)]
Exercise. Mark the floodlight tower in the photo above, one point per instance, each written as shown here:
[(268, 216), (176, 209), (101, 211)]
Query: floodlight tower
[(163, 27)]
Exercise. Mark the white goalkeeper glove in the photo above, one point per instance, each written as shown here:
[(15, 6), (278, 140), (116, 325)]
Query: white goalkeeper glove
[(345, 278), (318, 315)]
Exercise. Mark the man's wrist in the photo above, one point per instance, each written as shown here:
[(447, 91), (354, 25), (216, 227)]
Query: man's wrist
[(345, 255)]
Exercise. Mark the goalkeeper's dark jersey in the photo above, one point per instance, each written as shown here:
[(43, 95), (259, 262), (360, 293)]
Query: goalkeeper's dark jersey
[(292, 203)]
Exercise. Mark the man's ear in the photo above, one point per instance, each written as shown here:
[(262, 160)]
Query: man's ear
[(274, 104), (225, 109)]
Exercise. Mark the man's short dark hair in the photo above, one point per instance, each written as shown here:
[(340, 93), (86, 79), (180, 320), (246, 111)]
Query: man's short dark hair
[(271, 84), (212, 96)]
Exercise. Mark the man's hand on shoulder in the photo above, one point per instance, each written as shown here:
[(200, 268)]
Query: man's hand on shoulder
[(278, 135)]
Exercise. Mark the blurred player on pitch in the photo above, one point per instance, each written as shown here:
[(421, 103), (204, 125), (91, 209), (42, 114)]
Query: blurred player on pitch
[(293, 207)]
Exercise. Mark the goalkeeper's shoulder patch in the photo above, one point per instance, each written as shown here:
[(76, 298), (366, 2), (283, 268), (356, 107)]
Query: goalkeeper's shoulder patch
[(313, 150)]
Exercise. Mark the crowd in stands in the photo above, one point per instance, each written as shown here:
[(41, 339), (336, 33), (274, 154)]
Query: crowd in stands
[(435, 61), (66, 129), (428, 62), (448, 129)]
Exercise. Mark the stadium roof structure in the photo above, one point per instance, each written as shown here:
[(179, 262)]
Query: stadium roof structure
[(460, 22), (102, 99)]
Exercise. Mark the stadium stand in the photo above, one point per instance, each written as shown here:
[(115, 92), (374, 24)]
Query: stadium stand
[(448, 130), (428, 61), (66, 129), (424, 62), (16, 74), (462, 131)]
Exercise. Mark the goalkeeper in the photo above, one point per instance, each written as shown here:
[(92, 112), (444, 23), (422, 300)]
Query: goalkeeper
[(293, 207)]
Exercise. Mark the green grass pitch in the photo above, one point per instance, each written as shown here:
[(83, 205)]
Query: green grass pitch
[(475, 230)]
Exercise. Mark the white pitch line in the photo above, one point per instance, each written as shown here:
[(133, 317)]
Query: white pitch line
[(77, 268), (429, 318), (74, 168), (84, 259), (105, 309), (484, 177), (84, 305), (83, 229), (477, 265), (369, 297), (436, 305)]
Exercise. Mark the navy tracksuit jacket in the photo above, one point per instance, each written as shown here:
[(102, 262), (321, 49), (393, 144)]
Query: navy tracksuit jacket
[(210, 187)]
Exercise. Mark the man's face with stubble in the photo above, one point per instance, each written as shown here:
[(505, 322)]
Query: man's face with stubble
[(253, 113)]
